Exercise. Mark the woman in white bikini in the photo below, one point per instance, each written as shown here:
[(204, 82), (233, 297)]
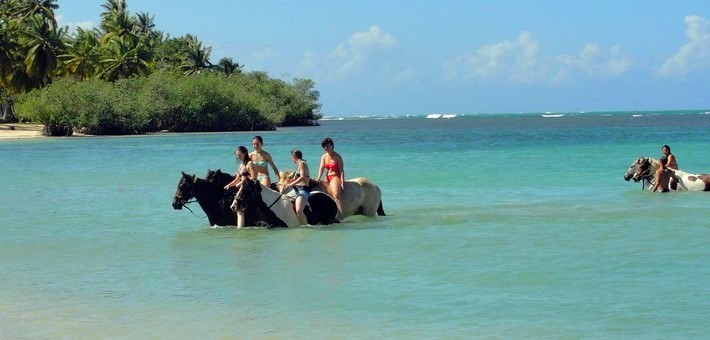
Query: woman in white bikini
[(261, 160)]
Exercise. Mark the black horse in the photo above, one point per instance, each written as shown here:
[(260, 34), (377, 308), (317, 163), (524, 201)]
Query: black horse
[(214, 201)]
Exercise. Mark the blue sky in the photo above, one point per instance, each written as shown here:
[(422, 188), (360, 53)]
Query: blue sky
[(417, 57)]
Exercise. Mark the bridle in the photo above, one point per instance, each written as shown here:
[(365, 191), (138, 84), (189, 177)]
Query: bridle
[(644, 176), (185, 202)]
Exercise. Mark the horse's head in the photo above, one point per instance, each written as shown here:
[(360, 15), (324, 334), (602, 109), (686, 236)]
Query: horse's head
[(218, 178), (184, 191), (249, 191), (639, 169), (283, 177)]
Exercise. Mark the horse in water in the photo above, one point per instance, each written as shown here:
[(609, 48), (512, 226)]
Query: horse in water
[(644, 170), (321, 208), (359, 197), (213, 200)]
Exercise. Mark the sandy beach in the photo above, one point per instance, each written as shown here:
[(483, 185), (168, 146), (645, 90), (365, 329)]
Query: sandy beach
[(25, 130), (20, 130)]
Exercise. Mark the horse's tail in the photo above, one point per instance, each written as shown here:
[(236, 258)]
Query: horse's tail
[(380, 210)]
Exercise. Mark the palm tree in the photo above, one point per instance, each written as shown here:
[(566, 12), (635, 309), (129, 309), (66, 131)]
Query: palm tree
[(144, 28), (228, 66), (44, 43), (82, 56), (125, 57), (8, 52), (115, 20), (111, 7), (8, 44), (197, 58), (45, 8), (145, 23)]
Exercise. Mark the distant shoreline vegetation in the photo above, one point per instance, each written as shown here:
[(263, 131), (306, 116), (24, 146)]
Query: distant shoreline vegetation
[(207, 102), (126, 77)]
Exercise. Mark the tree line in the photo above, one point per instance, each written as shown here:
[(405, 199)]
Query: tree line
[(127, 77)]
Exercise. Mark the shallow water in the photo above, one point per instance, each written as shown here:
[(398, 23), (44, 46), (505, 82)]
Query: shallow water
[(505, 226)]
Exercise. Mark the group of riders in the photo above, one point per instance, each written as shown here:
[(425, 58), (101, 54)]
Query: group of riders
[(255, 166)]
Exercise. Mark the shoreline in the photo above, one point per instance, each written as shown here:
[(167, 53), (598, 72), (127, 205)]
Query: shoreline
[(9, 131), (20, 130)]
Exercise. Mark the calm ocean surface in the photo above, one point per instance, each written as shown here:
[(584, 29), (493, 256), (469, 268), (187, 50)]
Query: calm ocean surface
[(510, 226)]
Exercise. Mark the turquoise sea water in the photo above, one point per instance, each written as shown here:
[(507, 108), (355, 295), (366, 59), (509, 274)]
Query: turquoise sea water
[(511, 226)]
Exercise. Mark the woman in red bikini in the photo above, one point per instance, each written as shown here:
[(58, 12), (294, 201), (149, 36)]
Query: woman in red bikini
[(332, 163)]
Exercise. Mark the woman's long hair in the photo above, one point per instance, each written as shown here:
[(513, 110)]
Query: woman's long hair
[(245, 152)]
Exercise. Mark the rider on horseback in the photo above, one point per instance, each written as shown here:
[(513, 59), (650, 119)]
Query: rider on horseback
[(668, 164)]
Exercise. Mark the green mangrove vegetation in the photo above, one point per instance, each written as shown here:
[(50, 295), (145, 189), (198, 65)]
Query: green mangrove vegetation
[(127, 77)]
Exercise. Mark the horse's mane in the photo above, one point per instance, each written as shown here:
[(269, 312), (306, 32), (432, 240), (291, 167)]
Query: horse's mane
[(218, 177), (284, 174)]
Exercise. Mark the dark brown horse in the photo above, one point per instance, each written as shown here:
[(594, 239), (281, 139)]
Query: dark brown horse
[(215, 202)]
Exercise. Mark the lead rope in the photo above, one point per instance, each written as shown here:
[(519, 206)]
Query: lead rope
[(277, 199), (184, 205)]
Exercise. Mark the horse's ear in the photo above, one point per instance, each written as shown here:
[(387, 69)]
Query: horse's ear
[(183, 173), (194, 178)]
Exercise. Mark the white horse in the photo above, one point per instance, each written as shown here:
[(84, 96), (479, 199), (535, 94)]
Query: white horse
[(276, 210), (644, 170), (359, 197)]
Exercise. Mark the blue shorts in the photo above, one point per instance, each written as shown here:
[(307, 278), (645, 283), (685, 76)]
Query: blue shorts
[(303, 192)]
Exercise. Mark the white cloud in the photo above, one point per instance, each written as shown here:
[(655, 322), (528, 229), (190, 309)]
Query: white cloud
[(359, 52), (591, 62), (695, 54), (73, 25), (521, 62), (513, 60)]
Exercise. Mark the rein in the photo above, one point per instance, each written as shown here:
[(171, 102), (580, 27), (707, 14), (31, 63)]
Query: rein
[(277, 199), (646, 176), (185, 203), (190, 210)]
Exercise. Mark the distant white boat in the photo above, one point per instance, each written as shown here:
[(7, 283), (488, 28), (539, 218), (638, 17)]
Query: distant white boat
[(553, 115), (449, 116), (434, 115)]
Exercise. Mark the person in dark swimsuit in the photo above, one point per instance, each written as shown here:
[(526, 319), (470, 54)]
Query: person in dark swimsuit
[(245, 171), (332, 164), (300, 182), (668, 164)]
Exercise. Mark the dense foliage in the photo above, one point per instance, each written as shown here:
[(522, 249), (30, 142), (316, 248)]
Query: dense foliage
[(166, 101), (126, 77)]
